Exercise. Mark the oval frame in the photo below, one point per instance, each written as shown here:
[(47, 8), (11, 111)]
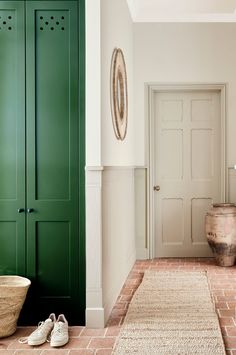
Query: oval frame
[(119, 94)]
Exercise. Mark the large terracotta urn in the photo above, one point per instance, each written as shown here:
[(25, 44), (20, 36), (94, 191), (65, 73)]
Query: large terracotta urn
[(221, 232)]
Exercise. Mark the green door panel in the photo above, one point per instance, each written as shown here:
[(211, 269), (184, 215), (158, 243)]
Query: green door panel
[(8, 251), (53, 227), (59, 234), (54, 107), (12, 137)]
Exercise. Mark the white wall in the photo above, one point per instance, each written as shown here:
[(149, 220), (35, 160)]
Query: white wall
[(184, 53), (110, 230), (116, 31), (118, 230)]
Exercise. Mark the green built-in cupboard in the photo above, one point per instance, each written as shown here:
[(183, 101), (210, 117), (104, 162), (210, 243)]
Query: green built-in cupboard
[(42, 154)]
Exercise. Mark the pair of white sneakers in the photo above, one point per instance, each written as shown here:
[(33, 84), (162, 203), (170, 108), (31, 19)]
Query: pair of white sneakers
[(52, 330)]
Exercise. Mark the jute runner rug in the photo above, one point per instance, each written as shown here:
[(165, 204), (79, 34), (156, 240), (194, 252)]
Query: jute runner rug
[(171, 313)]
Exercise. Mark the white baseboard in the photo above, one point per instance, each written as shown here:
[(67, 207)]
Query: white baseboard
[(95, 318)]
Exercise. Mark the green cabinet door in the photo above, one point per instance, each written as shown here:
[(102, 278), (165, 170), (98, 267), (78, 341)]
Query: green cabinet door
[(54, 241), (12, 138), (42, 154)]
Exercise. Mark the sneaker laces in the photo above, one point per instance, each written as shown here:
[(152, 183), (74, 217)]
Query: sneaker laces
[(24, 340)]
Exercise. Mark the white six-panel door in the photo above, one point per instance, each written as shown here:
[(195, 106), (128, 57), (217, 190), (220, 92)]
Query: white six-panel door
[(187, 168)]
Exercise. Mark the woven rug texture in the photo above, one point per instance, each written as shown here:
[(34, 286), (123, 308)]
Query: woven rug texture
[(171, 313)]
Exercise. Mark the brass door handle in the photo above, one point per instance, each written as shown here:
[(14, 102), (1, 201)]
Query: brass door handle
[(156, 188)]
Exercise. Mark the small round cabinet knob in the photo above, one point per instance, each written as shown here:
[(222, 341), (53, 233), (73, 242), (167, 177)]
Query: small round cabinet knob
[(156, 188), (21, 210), (30, 210)]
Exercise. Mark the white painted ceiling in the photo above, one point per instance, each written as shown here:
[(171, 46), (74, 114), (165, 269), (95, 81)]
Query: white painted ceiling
[(182, 10)]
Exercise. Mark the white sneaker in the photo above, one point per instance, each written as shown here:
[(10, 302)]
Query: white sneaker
[(40, 335), (59, 335)]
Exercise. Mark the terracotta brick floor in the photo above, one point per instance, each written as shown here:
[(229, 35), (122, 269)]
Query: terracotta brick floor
[(84, 341)]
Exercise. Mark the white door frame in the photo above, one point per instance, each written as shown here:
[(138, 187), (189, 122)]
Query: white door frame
[(151, 90)]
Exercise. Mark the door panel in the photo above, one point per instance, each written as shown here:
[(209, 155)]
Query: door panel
[(172, 161), (58, 233), (202, 154), (53, 105), (187, 168), (53, 246), (12, 138), (172, 209)]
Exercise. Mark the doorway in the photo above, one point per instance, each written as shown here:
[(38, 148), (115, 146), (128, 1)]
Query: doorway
[(186, 166)]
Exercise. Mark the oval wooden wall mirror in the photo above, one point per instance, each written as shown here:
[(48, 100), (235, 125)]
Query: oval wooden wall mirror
[(119, 94)]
